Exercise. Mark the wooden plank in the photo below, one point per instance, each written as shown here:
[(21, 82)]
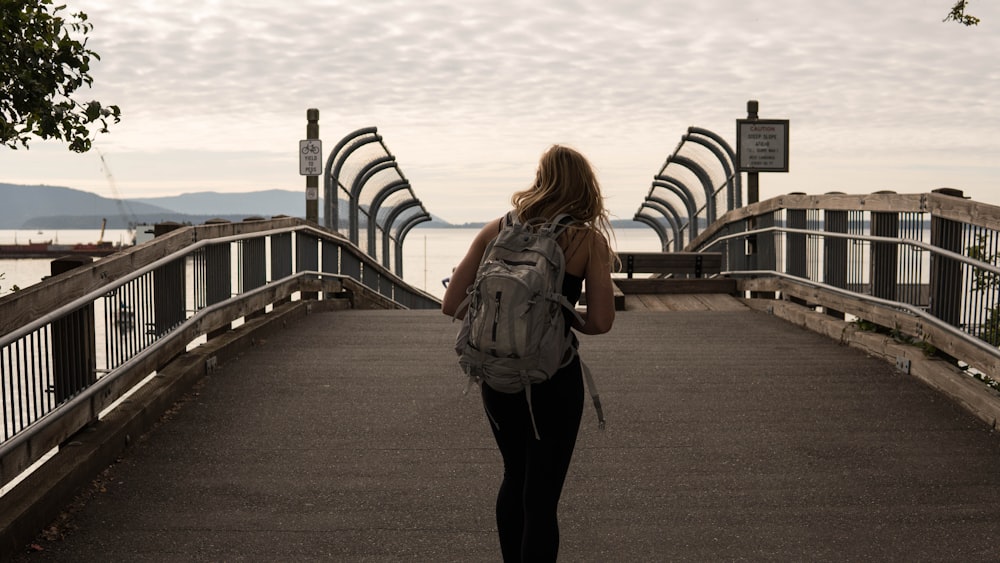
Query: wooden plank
[(684, 302), (964, 211), (652, 303), (719, 302)]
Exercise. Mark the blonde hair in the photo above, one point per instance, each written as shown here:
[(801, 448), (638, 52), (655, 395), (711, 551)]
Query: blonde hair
[(565, 183)]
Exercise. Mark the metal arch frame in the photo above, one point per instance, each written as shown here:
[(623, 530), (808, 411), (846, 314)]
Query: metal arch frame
[(403, 231), (376, 205), (656, 226), (678, 188), (668, 211), (669, 214), (389, 220), (331, 176), (706, 183), (733, 186), (365, 174)]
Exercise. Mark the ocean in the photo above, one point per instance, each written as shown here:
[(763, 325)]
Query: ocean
[(429, 254)]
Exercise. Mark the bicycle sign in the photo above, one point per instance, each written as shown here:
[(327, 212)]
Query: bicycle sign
[(311, 157)]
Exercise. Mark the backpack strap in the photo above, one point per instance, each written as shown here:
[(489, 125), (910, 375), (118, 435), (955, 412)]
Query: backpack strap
[(594, 395), (556, 226)]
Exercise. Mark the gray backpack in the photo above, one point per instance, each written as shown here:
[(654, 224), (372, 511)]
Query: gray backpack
[(514, 333)]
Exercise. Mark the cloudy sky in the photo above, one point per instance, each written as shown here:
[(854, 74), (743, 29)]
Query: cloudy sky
[(881, 94)]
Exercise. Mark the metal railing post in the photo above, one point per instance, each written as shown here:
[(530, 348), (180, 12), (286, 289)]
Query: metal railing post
[(795, 251), (74, 343), (885, 255), (835, 254), (946, 273)]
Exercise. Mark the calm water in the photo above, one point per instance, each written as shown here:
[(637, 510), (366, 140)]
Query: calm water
[(428, 254)]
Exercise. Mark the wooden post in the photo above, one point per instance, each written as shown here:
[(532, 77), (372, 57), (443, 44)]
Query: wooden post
[(74, 348), (753, 178), (753, 196), (312, 182)]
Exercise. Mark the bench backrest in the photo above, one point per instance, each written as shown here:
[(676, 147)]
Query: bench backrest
[(696, 264)]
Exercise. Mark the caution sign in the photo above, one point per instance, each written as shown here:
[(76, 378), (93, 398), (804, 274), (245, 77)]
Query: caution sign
[(762, 145)]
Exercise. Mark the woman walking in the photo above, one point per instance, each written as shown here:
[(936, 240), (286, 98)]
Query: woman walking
[(535, 470)]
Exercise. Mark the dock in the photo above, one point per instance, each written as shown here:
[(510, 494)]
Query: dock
[(732, 435)]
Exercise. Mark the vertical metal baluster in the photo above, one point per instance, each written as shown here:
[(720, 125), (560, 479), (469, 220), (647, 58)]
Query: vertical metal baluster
[(5, 372), (22, 407)]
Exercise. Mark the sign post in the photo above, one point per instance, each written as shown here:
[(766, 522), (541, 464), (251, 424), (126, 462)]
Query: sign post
[(311, 164), (761, 146)]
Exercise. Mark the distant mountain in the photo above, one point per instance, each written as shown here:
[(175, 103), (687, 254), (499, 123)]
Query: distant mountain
[(264, 203), (20, 204), (54, 207)]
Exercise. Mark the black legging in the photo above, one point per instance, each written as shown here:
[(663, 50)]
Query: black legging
[(534, 470)]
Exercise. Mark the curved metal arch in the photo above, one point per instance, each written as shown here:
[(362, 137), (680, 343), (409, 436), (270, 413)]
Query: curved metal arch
[(331, 177), (389, 220), (726, 168), (376, 205), (667, 210), (678, 238), (670, 216), (661, 232), (731, 154), (678, 188), (365, 174), (403, 231), (706, 183)]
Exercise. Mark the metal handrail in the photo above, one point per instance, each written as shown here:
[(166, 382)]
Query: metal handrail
[(51, 383), (93, 390), (870, 238)]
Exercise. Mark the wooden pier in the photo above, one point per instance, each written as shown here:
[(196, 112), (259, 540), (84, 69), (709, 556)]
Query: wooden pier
[(732, 435)]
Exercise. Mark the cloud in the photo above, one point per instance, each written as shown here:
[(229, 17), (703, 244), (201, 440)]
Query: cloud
[(467, 94)]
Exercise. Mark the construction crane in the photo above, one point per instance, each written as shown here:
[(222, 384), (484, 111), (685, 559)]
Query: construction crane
[(126, 212)]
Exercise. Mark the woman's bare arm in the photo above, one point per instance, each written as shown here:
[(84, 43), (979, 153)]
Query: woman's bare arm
[(600, 313), (465, 272)]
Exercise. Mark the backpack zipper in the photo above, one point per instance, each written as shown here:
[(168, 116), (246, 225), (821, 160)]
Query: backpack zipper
[(496, 315)]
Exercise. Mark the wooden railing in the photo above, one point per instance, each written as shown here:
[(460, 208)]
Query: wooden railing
[(923, 267), (74, 344)]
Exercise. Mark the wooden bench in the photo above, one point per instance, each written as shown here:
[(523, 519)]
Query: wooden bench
[(689, 273), (675, 272), (695, 264)]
